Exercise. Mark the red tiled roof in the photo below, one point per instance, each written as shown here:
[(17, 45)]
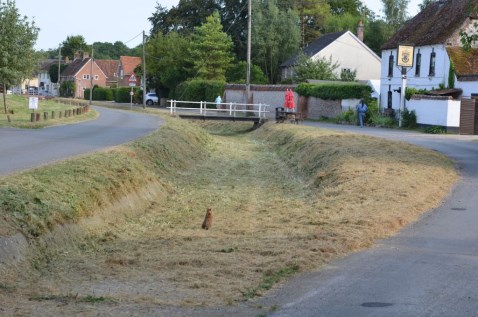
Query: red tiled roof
[(433, 25), (129, 63)]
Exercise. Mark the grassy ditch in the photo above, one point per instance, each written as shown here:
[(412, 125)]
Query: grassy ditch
[(285, 199), (20, 114)]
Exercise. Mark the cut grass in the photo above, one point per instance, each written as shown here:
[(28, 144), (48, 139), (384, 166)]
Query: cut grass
[(285, 199)]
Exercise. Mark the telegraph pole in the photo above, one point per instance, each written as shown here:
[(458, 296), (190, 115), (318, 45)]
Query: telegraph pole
[(144, 72), (58, 80), (248, 67), (91, 74)]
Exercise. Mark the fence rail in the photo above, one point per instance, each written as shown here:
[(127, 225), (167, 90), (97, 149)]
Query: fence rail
[(231, 109)]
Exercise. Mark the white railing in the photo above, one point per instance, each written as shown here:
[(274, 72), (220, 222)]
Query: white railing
[(227, 108)]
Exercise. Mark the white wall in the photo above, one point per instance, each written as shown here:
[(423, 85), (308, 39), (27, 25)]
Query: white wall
[(349, 104), (440, 112), (468, 87), (353, 54), (423, 81)]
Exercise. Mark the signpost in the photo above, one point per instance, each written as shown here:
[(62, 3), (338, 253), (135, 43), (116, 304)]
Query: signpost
[(132, 83), (405, 59)]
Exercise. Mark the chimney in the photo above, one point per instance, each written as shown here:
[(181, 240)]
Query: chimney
[(360, 30), (86, 55), (76, 56), (67, 60)]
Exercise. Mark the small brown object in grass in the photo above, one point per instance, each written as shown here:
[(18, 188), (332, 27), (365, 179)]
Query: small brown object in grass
[(207, 220)]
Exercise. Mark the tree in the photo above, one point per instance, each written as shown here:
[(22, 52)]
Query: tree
[(211, 50), (275, 37), (184, 17), (53, 71), (73, 44), (18, 58), (395, 12), (106, 50), (237, 74), (320, 69), (376, 33), (168, 60), (312, 16), (425, 4)]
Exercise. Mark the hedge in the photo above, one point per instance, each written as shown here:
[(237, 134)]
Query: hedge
[(337, 91), (199, 90), (99, 93), (122, 95)]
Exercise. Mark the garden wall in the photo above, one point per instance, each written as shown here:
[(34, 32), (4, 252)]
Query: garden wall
[(436, 111)]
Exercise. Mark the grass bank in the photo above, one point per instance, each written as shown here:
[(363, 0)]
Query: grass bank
[(20, 114), (285, 199)]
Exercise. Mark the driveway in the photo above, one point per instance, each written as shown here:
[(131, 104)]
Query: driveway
[(22, 149), (429, 269)]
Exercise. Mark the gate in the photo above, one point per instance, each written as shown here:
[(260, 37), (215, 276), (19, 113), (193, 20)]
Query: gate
[(469, 116)]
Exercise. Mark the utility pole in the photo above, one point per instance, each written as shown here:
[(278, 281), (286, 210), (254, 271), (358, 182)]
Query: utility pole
[(248, 67), (91, 74), (144, 72), (58, 80)]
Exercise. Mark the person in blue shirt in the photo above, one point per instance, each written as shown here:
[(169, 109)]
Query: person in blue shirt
[(361, 111)]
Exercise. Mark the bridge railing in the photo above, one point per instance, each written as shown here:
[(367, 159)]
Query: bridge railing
[(231, 109)]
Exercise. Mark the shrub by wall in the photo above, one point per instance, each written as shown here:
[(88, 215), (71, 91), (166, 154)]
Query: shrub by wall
[(332, 91), (199, 90), (122, 94), (99, 93)]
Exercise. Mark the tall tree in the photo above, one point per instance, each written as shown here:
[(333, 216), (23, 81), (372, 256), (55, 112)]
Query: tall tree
[(168, 61), (184, 17), (275, 37), (425, 4), (72, 45), (17, 38), (395, 12), (211, 50), (312, 16)]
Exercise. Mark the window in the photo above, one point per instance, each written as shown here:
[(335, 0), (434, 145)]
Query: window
[(86, 76), (418, 63), (432, 63), (97, 77), (390, 65)]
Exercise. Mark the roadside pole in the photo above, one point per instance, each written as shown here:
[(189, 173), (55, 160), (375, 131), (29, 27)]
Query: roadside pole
[(405, 59), (132, 83)]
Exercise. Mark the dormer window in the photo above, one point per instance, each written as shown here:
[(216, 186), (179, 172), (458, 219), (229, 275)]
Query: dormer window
[(390, 65), (432, 63), (418, 63)]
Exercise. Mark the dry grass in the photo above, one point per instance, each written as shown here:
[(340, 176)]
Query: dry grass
[(284, 199)]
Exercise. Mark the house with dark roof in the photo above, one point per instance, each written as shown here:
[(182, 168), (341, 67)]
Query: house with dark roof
[(79, 72), (110, 68), (344, 48), (438, 59)]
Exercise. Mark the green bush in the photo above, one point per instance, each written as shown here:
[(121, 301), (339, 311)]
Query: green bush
[(409, 92), (99, 93), (435, 130), (379, 120), (409, 119), (335, 91), (199, 90), (122, 95)]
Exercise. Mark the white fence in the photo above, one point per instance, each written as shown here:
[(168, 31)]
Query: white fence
[(230, 109)]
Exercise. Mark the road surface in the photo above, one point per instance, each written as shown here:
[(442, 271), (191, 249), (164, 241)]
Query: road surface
[(428, 269), (25, 148)]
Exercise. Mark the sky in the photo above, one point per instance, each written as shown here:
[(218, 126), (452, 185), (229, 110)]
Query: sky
[(109, 20)]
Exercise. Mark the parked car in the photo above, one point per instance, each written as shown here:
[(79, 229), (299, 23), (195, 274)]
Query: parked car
[(151, 99)]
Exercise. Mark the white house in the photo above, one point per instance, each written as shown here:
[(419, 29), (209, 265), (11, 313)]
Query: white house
[(346, 49), (435, 35)]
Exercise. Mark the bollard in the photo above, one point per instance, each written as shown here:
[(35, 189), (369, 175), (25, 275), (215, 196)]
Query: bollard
[(37, 116), (53, 115), (45, 116), (60, 114), (32, 118)]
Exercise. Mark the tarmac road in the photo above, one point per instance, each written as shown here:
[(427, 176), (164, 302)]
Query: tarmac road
[(22, 149), (429, 269)]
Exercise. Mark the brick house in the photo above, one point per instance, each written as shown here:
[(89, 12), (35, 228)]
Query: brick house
[(110, 68), (127, 65), (79, 72)]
